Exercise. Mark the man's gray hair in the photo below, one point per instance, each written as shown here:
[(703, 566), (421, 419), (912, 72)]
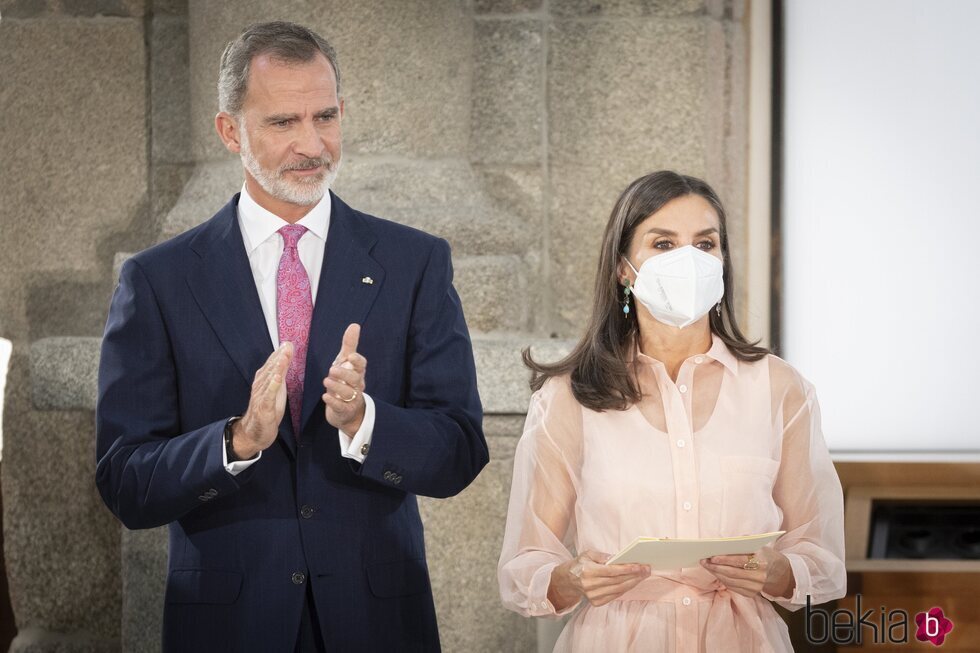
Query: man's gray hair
[(284, 42)]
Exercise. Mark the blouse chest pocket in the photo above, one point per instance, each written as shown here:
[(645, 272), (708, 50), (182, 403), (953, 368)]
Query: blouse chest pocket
[(750, 465), (748, 505)]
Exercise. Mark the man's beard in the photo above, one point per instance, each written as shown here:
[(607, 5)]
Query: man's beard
[(302, 191)]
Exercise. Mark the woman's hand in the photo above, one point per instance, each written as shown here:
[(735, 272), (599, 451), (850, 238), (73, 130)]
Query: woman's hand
[(588, 576), (774, 574)]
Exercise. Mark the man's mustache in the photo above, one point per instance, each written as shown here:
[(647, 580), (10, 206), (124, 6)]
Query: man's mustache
[(308, 164)]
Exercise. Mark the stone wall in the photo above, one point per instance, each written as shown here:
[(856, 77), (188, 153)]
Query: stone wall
[(74, 177), (506, 126)]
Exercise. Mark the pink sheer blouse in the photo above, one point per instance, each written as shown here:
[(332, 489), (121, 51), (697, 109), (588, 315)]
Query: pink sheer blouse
[(731, 448)]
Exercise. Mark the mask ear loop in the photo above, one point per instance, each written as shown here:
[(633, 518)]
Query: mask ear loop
[(631, 265)]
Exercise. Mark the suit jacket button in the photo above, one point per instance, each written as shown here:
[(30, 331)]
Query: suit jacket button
[(306, 512), (397, 479), (299, 578), (204, 498), (387, 476), (212, 493)]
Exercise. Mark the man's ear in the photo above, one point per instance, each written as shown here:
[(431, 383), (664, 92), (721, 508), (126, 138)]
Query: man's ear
[(228, 128)]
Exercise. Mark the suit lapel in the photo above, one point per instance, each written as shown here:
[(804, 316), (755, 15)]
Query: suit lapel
[(350, 280), (224, 288)]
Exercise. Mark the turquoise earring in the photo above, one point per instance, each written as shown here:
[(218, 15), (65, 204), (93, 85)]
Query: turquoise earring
[(626, 299)]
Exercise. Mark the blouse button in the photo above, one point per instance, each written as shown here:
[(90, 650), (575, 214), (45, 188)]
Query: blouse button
[(699, 359), (687, 505), (686, 600), (680, 443), (683, 388)]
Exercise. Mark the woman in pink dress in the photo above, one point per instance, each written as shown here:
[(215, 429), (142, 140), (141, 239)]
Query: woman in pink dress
[(664, 421)]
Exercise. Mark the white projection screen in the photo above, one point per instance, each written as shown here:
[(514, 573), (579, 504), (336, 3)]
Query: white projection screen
[(880, 220)]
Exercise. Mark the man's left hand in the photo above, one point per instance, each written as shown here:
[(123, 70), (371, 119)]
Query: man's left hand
[(344, 386), (774, 574)]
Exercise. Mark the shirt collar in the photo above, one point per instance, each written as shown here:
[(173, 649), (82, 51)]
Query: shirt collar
[(258, 224), (719, 351)]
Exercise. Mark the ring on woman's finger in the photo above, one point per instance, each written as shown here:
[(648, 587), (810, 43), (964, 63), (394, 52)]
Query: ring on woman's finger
[(751, 564), (576, 570)]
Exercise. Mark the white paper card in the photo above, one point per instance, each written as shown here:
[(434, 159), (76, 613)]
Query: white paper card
[(666, 553)]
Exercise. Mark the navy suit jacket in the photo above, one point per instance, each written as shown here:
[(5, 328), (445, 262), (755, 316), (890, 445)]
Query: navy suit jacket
[(184, 337)]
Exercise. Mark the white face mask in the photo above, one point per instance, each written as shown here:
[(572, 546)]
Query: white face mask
[(681, 286)]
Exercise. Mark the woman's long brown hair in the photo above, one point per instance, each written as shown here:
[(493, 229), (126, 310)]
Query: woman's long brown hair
[(600, 376)]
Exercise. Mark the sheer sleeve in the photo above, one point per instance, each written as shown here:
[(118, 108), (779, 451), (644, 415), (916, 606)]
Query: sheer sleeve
[(541, 514), (808, 492)]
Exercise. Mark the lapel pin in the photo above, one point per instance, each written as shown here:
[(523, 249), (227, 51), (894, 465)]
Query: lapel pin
[(368, 280)]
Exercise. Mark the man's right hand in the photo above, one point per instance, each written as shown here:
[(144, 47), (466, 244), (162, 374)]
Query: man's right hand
[(259, 426)]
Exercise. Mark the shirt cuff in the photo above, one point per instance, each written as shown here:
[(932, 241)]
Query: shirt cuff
[(804, 584), (538, 604), (238, 466), (356, 448)]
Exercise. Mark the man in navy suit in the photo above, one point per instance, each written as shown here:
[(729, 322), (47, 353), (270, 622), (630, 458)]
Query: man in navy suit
[(235, 401)]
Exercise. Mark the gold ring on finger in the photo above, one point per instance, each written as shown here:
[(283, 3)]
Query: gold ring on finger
[(351, 398), (751, 564)]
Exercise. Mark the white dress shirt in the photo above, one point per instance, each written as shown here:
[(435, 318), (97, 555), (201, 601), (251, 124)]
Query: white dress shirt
[(264, 246)]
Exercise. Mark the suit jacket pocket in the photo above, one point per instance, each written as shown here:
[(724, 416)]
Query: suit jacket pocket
[(399, 578), (212, 586)]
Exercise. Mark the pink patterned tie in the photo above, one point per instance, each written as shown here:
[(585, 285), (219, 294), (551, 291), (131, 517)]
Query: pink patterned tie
[(294, 310)]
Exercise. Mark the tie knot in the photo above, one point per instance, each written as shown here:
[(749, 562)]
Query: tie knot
[(291, 234)]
